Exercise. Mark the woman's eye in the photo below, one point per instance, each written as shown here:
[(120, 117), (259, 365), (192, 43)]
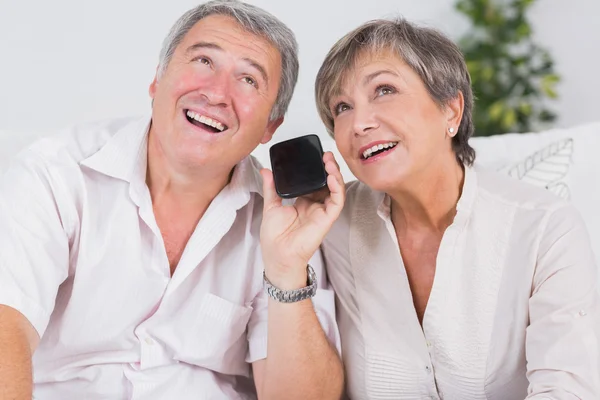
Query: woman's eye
[(340, 108), (250, 81), (203, 60), (385, 90)]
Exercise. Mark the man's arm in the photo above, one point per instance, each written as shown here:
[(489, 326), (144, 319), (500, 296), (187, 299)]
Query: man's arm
[(34, 259), (18, 340), (300, 361)]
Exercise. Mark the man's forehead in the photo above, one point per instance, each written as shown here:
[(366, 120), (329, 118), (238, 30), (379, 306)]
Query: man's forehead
[(225, 30), (219, 22)]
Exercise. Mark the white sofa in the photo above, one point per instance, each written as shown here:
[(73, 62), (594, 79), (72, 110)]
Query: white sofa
[(565, 161)]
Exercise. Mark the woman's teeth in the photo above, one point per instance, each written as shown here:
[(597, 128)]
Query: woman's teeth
[(376, 149)]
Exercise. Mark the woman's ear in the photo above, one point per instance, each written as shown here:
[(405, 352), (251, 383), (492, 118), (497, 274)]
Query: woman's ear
[(454, 111)]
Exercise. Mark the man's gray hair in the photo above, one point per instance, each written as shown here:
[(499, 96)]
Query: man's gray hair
[(254, 20), (431, 55)]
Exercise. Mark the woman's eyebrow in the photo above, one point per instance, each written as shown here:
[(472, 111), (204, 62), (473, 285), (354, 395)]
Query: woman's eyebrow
[(367, 79)]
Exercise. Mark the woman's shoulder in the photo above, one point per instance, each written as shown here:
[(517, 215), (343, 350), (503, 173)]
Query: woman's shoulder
[(359, 194), (511, 191), (361, 202), (353, 186)]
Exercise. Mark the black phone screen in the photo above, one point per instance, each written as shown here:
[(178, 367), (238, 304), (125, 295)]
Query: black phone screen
[(298, 166)]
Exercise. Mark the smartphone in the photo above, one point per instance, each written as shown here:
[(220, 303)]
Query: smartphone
[(298, 167)]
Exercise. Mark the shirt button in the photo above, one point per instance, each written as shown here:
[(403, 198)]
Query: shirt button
[(428, 369), (582, 313), (149, 341)]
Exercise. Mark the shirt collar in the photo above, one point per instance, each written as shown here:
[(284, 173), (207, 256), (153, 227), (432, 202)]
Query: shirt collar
[(246, 177), (125, 155), (466, 202)]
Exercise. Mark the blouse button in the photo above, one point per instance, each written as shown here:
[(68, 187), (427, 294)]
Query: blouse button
[(582, 313)]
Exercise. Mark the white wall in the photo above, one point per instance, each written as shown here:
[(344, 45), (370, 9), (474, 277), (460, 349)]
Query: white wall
[(570, 30), (66, 61)]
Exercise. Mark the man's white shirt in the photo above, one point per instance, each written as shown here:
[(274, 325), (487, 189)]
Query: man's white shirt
[(82, 257)]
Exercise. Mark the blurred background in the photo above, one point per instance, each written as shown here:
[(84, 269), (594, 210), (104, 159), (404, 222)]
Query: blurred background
[(534, 62)]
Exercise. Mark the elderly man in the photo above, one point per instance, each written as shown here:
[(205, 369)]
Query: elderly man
[(130, 262)]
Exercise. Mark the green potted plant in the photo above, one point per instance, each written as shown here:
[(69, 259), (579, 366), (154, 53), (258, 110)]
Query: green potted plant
[(513, 77)]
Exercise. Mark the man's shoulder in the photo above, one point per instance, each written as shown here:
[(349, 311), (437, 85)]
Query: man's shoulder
[(51, 167), (75, 143)]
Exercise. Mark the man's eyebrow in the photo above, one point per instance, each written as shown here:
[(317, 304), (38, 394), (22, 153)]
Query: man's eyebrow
[(209, 45), (203, 45), (260, 68)]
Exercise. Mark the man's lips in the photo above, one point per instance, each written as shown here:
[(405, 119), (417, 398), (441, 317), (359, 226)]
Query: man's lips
[(206, 122)]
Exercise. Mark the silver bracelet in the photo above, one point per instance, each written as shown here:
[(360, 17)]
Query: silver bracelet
[(292, 296)]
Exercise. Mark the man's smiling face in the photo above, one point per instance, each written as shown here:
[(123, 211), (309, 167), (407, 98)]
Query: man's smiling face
[(212, 102)]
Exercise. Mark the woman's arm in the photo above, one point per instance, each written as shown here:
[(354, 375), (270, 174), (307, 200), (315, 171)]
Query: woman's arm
[(563, 337)]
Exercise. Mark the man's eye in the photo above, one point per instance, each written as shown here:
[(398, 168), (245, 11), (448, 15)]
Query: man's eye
[(250, 81), (341, 108), (203, 60)]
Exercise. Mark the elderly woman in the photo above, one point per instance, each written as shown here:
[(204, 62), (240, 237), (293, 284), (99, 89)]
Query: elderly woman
[(453, 282)]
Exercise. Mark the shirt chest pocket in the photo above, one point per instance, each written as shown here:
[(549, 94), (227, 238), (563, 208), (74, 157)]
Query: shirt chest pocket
[(218, 338)]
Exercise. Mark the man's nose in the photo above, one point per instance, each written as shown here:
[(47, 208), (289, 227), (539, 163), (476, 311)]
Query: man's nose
[(217, 92)]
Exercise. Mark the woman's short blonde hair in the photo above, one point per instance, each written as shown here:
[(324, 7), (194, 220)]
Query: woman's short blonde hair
[(430, 54)]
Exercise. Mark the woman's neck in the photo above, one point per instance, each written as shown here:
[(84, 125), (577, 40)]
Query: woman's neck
[(428, 201)]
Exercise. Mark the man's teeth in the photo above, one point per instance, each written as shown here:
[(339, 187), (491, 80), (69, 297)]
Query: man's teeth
[(206, 120), (369, 152)]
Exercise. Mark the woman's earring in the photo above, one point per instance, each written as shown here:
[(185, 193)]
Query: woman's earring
[(451, 130)]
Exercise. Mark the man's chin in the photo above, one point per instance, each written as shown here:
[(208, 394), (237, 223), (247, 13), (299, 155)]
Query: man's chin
[(215, 158)]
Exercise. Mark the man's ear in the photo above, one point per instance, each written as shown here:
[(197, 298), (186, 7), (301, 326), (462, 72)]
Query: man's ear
[(454, 111), (271, 128), (152, 88)]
